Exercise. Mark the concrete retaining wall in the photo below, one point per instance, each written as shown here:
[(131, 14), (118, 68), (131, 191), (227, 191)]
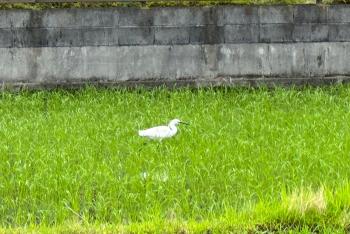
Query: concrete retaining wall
[(209, 45)]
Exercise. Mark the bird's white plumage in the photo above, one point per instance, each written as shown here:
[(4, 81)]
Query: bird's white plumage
[(161, 132), (158, 132)]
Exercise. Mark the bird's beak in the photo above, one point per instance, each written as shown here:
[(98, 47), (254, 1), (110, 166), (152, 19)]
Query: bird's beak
[(185, 123)]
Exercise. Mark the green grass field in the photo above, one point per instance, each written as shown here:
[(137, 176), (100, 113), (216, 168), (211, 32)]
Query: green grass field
[(250, 160)]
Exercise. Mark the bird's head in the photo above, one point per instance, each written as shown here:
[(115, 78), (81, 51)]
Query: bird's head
[(175, 122)]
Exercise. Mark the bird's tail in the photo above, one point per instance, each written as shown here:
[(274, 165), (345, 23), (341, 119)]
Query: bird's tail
[(141, 133)]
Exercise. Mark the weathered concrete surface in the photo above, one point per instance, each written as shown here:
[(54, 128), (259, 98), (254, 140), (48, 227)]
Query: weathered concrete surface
[(204, 62)]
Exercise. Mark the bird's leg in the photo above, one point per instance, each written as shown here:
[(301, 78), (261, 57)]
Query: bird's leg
[(158, 143), (143, 145)]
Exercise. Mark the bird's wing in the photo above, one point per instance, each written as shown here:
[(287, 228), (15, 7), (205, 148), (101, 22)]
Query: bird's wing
[(157, 132)]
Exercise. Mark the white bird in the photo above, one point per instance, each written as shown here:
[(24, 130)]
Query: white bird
[(161, 132)]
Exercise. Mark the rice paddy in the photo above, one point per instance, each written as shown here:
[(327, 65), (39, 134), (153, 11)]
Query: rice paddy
[(251, 160)]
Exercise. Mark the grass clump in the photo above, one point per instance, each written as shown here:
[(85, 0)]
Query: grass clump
[(252, 160), (305, 201)]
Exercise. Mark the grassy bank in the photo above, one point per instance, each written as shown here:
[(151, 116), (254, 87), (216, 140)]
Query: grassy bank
[(250, 160)]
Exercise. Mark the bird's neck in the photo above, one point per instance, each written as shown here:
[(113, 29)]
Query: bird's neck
[(172, 127)]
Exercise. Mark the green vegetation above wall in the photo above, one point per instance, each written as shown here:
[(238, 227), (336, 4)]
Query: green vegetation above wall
[(41, 6)]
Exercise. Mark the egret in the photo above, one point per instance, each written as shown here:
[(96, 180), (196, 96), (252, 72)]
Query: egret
[(161, 132)]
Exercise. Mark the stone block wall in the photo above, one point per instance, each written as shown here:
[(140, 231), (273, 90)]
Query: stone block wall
[(199, 45)]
